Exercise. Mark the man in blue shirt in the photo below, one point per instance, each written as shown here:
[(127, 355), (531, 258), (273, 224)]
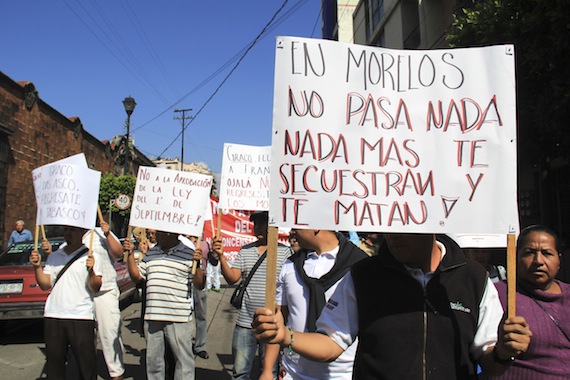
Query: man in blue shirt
[(19, 234)]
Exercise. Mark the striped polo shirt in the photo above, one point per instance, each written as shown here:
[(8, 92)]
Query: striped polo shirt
[(168, 284), (254, 296)]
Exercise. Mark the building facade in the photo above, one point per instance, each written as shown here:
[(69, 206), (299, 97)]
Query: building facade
[(32, 134)]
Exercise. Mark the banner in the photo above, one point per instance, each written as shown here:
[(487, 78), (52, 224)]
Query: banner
[(170, 200), (374, 139), (244, 183), (236, 230), (67, 192)]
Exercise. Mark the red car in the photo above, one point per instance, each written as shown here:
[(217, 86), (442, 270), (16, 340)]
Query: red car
[(20, 295)]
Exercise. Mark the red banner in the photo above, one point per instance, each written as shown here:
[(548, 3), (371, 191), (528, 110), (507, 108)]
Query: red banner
[(236, 229)]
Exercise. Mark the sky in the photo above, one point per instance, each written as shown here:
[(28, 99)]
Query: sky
[(85, 57)]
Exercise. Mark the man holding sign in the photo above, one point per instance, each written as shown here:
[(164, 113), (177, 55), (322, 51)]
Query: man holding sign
[(67, 193), (244, 346), (106, 247), (73, 276), (167, 271), (307, 280), (420, 310)]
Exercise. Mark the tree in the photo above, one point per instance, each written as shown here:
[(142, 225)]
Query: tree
[(539, 30), (111, 187)]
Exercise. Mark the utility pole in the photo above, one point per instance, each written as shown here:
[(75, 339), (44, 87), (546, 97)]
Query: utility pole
[(183, 119)]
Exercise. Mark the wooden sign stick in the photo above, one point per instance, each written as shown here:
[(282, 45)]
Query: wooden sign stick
[(511, 275), (43, 232), (100, 214), (195, 262), (219, 231), (271, 274), (129, 233), (36, 236), (91, 241)]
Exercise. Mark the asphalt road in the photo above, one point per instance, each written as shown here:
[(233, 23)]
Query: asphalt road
[(22, 347)]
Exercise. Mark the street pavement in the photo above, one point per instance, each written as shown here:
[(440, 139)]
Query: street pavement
[(22, 350)]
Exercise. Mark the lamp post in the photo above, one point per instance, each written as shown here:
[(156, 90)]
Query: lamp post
[(130, 105)]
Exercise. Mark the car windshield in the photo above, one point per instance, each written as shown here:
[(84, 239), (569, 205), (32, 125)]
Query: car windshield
[(19, 253)]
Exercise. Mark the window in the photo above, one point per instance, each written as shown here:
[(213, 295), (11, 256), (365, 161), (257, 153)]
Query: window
[(374, 14)]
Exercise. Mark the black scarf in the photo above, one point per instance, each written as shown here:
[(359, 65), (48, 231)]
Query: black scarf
[(348, 254)]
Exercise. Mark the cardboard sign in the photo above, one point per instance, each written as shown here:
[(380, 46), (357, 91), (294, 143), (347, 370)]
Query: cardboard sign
[(170, 200), (67, 192), (244, 181), (373, 139)]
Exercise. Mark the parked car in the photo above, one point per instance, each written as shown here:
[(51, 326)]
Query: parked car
[(20, 295)]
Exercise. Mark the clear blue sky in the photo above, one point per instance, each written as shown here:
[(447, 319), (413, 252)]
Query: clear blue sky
[(85, 57)]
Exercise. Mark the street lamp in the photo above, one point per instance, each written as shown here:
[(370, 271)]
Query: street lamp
[(129, 104)]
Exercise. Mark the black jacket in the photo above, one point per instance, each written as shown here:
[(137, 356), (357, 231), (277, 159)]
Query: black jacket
[(407, 332)]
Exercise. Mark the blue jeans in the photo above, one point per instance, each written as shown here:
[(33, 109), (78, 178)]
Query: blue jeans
[(178, 335), (244, 349)]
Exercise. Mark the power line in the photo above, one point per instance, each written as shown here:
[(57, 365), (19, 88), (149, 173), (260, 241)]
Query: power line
[(230, 73), (276, 23), (128, 61), (148, 44)]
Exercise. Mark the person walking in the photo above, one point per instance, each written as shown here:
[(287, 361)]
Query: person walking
[(244, 345), (434, 314), (168, 317)]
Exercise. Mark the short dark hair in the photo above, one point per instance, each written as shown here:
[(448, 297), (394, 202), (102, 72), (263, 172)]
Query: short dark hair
[(540, 228), (259, 216)]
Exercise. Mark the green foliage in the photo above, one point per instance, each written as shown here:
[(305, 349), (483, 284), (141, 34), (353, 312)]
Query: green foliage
[(539, 30), (111, 187)]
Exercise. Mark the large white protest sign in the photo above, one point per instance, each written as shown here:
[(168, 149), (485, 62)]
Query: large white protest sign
[(373, 139), (170, 200), (67, 193), (245, 177)]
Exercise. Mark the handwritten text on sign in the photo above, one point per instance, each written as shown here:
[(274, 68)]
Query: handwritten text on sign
[(245, 177), (66, 194), (374, 139), (170, 200)]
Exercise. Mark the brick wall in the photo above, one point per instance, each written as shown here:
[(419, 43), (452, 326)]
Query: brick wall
[(33, 134)]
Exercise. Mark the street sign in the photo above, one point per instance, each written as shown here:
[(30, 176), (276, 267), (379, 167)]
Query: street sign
[(123, 201)]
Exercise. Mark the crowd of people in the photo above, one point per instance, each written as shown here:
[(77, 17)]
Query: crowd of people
[(383, 306)]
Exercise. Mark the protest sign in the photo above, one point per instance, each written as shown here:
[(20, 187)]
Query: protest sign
[(374, 139), (67, 193), (170, 200), (244, 181), (236, 230)]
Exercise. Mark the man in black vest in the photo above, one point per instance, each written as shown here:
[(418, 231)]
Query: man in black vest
[(420, 309), (305, 283)]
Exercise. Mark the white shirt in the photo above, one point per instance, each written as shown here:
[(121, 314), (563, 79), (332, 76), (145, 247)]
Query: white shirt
[(69, 298), (101, 253), (102, 256), (340, 321), (293, 293)]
